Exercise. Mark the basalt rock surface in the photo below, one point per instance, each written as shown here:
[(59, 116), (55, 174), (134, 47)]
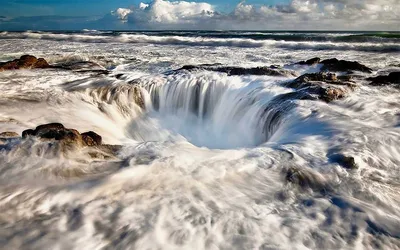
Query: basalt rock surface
[(325, 86), (392, 78)]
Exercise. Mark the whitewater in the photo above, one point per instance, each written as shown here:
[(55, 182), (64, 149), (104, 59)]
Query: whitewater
[(209, 160)]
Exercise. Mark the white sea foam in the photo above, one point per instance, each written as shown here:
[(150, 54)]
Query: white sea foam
[(197, 169)]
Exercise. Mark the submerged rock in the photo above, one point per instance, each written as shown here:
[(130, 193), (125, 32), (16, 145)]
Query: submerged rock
[(345, 161), (82, 67), (393, 77), (25, 62), (307, 179), (326, 86), (235, 71), (343, 65)]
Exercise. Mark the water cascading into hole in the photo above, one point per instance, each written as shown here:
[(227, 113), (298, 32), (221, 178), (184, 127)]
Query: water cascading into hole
[(212, 110)]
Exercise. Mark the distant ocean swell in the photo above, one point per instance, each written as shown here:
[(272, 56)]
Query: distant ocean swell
[(292, 41)]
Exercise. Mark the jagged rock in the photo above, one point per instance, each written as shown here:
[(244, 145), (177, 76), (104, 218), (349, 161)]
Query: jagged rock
[(343, 65), (91, 138), (326, 86), (233, 71), (310, 62), (393, 77), (25, 62), (69, 139), (6, 135), (57, 132)]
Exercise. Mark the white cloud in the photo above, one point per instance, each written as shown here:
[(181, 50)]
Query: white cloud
[(298, 14), (122, 13)]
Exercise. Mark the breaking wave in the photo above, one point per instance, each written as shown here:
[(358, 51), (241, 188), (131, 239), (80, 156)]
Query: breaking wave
[(286, 41)]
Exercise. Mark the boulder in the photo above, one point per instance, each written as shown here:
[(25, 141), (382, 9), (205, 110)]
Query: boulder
[(393, 77), (325, 86), (91, 138), (343, 65), (347, 162), (25, 62), (57, 132), (69, 139)]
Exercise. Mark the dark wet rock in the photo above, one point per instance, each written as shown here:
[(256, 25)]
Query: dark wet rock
[(91, 138), (235, 71), (119, 76), (392, 78), (25, 62), (345, 161), (310, 62), (343, 65), (325, 86), (307, 179), (6, 135)]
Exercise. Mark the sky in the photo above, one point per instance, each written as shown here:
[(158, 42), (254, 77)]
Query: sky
[(200, 14)]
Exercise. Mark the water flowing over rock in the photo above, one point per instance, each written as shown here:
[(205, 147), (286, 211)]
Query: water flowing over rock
[(82, 67), (393, 77), (25, 62), (343, 65), (237, 71)]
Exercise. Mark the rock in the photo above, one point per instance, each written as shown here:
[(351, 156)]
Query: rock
[(393, 77), (57, 132), (91, 138), (345, 161), (235, 71), (310, 62), (7, 135), (343, 65), (25, 62), (326, 86), (63, 140), (82, 67)]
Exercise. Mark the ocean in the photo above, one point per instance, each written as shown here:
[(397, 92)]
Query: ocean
[(218, 148)]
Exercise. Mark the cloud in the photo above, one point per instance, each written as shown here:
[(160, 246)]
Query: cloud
[(297, 14)]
